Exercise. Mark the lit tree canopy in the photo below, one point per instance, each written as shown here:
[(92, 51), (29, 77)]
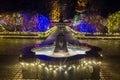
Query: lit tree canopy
[(55, 12), (43, 24), (89, 23), (114, 22), (11, 21)]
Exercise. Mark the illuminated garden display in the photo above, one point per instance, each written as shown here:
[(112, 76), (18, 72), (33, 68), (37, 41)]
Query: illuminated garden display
[(10, 22), (23, 22), (89, 23), (55, 12), (33, 22), (114, 22), (81, 6), (85, 27), (42, 24)]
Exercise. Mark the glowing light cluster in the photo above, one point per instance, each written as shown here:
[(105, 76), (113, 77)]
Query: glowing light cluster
[(23, 22), (55, 69), (114, 22), (83, 64), (85, 27), (10, 22), (43, 24), (89, 23)]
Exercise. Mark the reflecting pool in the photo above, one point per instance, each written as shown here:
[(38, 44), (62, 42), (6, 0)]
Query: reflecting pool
[(10, 50)]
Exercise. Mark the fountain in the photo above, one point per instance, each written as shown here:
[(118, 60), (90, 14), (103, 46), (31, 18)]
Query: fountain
[(60, 49), (59, 57)]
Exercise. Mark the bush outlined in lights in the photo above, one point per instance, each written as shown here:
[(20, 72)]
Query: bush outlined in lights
[(43, 24), (89, 23), (85, 27), (114, 22)]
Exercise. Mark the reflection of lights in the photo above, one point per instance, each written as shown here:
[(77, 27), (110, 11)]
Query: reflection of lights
[(60, 67), (86, 63), (66, 72), (54, 66), (46, 69), (50, 65), (64, 66), (32, 64), (89, 62), (51, 69), (101, 55), (73, 66), (99, 62), (43, 50), (43, 64), (78, 67), (22, 63), (83, 64), (91, 68), (20, 55), (69, 68), (77, 51), (49, 51), (84, 67), (94, 62), (40, 66), (27, 64), (54, 71)]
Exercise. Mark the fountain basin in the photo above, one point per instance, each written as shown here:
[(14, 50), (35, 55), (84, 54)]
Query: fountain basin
[(44, 50), (49, 51), (76, 50)]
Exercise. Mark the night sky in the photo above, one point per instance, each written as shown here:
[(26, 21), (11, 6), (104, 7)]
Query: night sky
[(110, 6), (41, 6)]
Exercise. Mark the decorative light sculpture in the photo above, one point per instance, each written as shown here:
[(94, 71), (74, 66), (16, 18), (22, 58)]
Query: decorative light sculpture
[(43, 24), (81, 6), (89, 23), (55, 13)]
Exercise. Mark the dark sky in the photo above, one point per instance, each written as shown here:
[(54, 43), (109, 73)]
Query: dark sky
[(110, 6), (41, 6)]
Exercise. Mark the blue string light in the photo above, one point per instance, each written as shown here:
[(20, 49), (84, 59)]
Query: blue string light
[(85, 27), (43, 24)]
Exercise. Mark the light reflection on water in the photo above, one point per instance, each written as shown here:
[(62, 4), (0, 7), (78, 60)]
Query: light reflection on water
[(110, 50), (109, 47), (111, 55), (83, 69), (14, 46)]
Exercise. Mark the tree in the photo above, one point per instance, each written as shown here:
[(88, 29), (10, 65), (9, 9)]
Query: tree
[(114, 22)]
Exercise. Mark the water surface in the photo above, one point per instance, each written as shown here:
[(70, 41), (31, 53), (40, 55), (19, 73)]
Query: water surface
[(10, 49)]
